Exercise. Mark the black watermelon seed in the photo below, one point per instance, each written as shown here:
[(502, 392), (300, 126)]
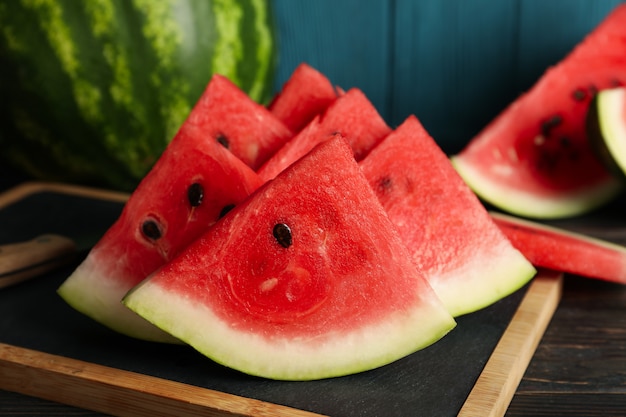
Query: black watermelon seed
[(282, 233), (565, 141), (579, 94), (225, 210), (551, 123), (151, 230), (223, 140), (546, 162), (574, 156), (616, 83), (384, 185), (195, 194)]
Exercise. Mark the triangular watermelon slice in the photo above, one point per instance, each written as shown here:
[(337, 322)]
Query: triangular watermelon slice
[(229, 116), (562, 250), (306, 279), (534, 159), (450, 235), (306, 94), (194, 182), (352, 115), (309, 137)]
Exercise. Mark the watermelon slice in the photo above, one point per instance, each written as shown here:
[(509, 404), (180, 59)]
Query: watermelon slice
[(561, 250), (306, 94), (290, 285), (352, 115), (606, 126), (314, 133), (535, 159), (194, 182), (449, 233), (229, 116)]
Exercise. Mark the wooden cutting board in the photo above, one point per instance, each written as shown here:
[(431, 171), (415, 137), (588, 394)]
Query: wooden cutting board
[(50, 351)]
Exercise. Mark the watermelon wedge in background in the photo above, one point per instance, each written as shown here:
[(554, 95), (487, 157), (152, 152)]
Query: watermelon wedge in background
[(534, 159), (561, 250), (246, 128), (352, 115), (194, 182), (285, 293), (306, 94), (310, 136), (448, 232)]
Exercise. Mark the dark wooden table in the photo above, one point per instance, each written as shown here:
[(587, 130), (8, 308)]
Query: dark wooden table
[(579, 368)]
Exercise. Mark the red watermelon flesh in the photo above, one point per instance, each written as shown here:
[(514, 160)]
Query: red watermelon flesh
[(290, 285), (313, 134), (306, 94), (609, 37), (557, 249), (534, 159), (450, 235), (352, 115), (229, 116), (193, 183)]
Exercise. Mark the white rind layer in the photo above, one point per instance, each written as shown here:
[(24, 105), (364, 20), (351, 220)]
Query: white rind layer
[(612, 124), (277, 357), (531, 205), (92, 293), (490, 274)]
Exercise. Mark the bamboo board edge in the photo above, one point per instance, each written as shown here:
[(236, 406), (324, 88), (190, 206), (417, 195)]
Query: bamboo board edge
[(121, 393), (497, 383)]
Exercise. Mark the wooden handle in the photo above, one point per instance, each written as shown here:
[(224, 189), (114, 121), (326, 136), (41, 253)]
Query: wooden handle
[(24, 260)]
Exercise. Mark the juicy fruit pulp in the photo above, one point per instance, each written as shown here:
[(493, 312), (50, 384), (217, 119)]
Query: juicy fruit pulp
[(284, 292), (535, 159), (606, 126), (443, 224)]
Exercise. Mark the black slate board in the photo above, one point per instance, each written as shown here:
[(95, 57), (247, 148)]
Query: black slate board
[(433, 382)]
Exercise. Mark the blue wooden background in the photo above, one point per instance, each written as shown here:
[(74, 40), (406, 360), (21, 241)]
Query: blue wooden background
[(453, 63)]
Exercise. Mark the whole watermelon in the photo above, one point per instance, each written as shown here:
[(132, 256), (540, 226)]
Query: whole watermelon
[(93, 90)]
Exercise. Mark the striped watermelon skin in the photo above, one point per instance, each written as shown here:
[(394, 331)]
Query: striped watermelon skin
[(93, 91)]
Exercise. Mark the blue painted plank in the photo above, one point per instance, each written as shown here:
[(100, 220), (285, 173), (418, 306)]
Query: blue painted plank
[(455, 64), (549, 30), (347, 40), (451, 61)]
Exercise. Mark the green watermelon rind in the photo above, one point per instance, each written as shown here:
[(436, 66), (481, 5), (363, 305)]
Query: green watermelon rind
[(96, 303), (94, 91), (282, 359), (539, 206), (606, 128)]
